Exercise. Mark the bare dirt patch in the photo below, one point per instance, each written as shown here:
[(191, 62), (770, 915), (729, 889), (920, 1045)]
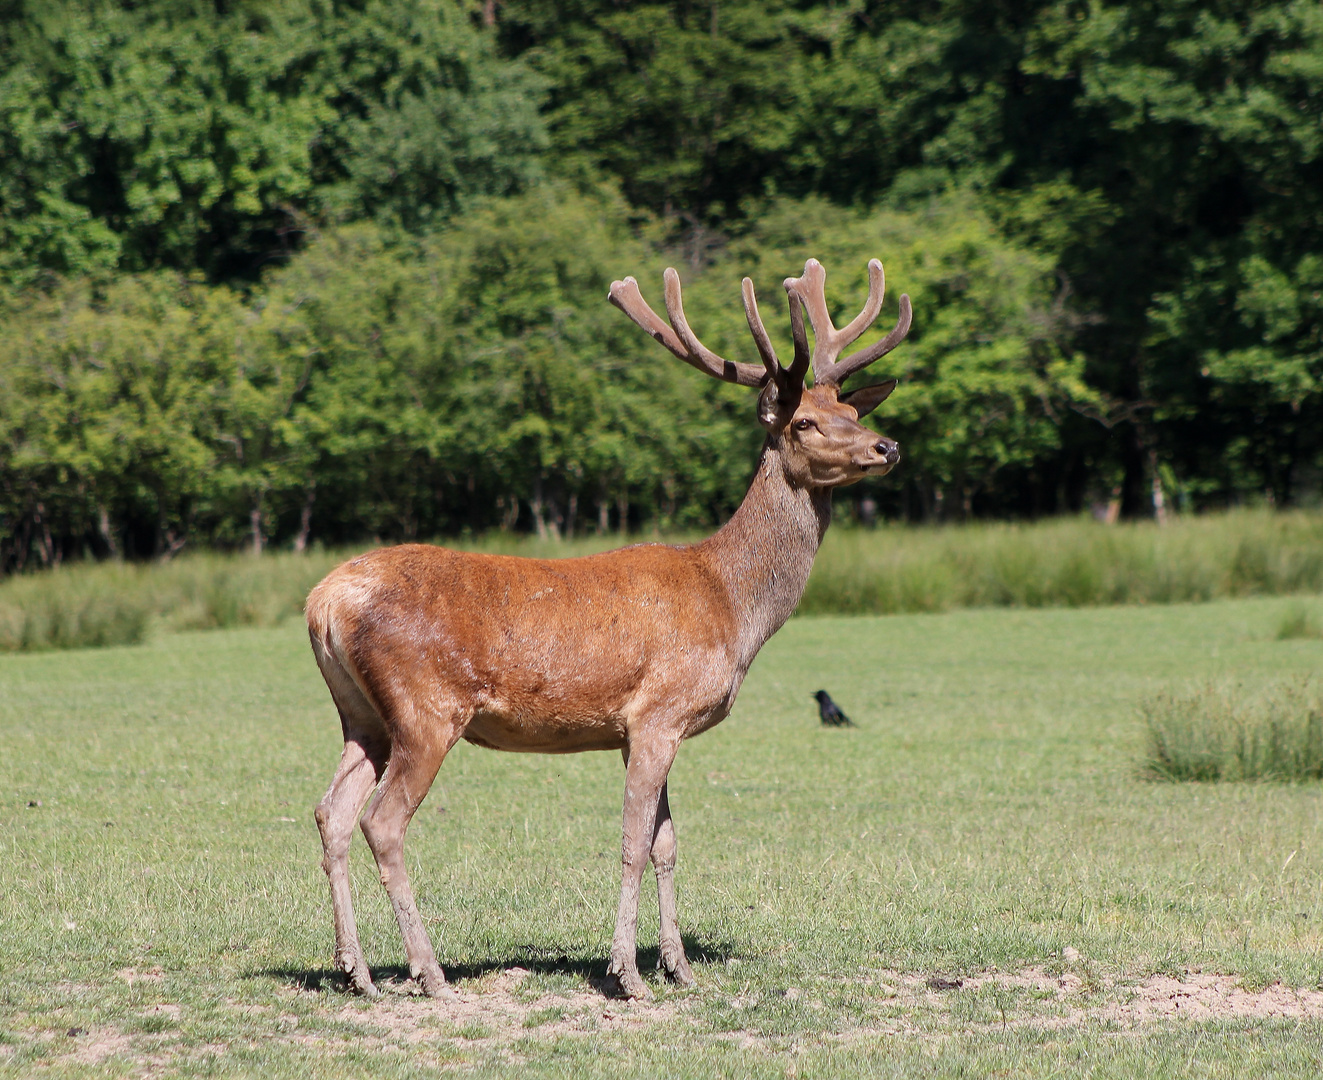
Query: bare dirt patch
[(97, 1045), (1197, 996), (1068, 999), (133, 975), (492, 1009), (494, 1013)]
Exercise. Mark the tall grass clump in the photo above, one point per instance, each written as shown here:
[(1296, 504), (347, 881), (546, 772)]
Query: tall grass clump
[(891, 569), (1299, 621), (73, 608), (1228, 733), (1066, 563), (87, 605), (91, 605)]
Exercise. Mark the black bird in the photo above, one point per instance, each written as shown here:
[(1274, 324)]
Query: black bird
[(831, 712)]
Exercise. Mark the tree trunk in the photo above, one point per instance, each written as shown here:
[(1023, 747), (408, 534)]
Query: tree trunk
[(107, 533), (23, 544), (305, 518), (571, 515), (1136, 491), (255, 522), (535, 504), (45, 544), (509, 512), (1159, 501)]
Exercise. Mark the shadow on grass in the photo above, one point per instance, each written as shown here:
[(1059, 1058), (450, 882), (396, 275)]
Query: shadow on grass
[(592, 970)]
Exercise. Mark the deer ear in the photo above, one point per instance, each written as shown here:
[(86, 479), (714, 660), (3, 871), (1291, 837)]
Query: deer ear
[(777, 402), (867, 398), (769, 404)]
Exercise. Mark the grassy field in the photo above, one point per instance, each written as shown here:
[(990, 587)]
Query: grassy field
[(976, 880), (1063, 562)]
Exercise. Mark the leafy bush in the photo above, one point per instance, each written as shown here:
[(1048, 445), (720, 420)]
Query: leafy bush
[(1229, 733)]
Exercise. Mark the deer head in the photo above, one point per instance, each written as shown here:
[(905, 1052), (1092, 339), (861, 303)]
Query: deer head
[(816, 428)]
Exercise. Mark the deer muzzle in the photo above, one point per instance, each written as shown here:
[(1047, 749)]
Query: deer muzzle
[(880, 457)]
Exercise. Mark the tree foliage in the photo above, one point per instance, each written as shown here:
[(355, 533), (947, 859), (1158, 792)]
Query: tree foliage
[(298, 269), (477, 378), (185, 134)]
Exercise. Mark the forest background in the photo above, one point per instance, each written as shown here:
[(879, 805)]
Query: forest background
[(281, 271)]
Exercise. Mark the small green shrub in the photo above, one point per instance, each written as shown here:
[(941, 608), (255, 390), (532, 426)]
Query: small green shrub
[(1300, 621), (1228, 733)]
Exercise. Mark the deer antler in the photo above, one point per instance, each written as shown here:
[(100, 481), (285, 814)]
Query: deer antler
[(794, 376), (828, 342), (681, 340)]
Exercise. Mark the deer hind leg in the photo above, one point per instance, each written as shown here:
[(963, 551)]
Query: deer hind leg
[(366, 751), (646, 767), (360, 767), (410, 773), (673, 961)]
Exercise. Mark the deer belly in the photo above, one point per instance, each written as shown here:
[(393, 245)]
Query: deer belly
[(546, 733)]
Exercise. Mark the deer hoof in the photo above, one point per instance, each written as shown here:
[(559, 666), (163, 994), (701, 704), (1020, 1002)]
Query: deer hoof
[(360, 982), (433, 983), (626, 984)]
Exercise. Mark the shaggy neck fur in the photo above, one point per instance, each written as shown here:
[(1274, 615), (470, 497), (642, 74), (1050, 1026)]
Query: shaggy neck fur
[(765, 551)]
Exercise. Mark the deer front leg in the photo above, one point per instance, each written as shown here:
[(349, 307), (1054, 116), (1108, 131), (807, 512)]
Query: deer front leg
[(673, 959), (646, 767)]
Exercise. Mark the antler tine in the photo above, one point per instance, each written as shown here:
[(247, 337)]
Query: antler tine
[(626, 296), (877, 287), (861, 359), (678, 337), (759, 331), (811, 289), (801, 362), (827, 340)]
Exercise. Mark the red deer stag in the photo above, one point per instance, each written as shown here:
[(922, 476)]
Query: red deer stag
[(634, 650)]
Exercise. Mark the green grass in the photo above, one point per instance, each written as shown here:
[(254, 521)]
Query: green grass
[(1062, 563), (164, 894), (1273, 732), (1300, 620)]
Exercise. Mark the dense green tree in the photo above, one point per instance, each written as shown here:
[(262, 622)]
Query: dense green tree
[(1162, 153), (478, 378), (192, 135), (325, 268)]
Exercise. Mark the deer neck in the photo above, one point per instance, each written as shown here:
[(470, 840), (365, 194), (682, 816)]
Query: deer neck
[(765, 551)]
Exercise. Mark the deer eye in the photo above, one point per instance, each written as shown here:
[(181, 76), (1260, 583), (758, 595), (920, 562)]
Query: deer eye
[(803, 425)]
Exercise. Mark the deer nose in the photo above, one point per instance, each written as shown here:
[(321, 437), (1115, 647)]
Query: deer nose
[(888, 450)]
